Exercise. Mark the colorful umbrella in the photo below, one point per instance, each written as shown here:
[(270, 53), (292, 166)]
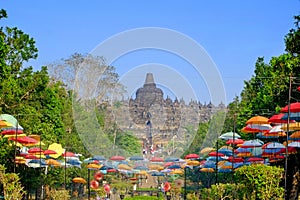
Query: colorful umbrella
[(4, 124), (11, 120), (276, 119), (295, 116), (258, 120)]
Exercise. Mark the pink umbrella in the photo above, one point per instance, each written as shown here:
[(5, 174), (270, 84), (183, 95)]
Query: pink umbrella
[(192, 156), (68, 154), (117, 158), (157, 159), (49, 151), (236, 141), (35, 150), (24, 140)]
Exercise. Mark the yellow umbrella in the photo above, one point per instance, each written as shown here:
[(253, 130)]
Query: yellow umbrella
[(292, 126), (36, 137), (124, 167), (57, 148), (193, 162), (206, 150), (177, 171), (11, 136), (155, 167), (142, 172), (4, 124)]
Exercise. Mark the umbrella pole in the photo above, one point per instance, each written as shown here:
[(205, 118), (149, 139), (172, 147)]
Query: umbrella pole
[(287, 137), (89, 188), (16, 138)]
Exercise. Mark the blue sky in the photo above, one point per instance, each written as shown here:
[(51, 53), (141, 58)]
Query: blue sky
[(233, 33)]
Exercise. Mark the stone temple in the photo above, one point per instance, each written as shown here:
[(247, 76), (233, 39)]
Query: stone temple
[(162, 124)]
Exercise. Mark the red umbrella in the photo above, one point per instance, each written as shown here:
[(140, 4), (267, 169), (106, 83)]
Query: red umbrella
[(11, 131), (49, 151), (30, 156), (294, 107), (111, 170), (117, 158), (157, 159), (214, 153), (255, 159), (277, 119), (35, 150), (236, 141), (68, 154), (235, 159), (25, 140), (192, 156)]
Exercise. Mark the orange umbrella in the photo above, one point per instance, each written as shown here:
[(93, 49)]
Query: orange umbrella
[(207, 170), (93, 166), (79, 180), (53, 162), (295, 135), (4, 124), (258, 120)]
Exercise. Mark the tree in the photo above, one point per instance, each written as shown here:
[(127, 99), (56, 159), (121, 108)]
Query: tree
[(292, 39)]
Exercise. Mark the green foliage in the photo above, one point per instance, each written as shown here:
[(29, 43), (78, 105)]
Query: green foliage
[(292, 39), (129, 143), (226, 191), (12, 187), (144, 198), (57, 194), (198, 139), (262, 179)]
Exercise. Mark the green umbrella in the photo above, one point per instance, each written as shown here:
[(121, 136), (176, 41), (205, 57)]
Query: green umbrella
[(11, 119)]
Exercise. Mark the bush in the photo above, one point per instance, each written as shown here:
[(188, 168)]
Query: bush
[(263, 180)]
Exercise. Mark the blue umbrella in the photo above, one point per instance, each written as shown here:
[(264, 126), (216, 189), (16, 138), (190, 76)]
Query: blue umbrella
[(136, 158), (100, 158), (171, 159), (174, 167), (157, 174), (293, 116), (141, 168)]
